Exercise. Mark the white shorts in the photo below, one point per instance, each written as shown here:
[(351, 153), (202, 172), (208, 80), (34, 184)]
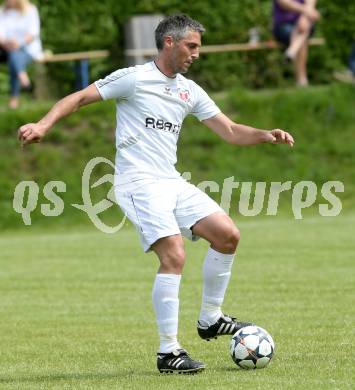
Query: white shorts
[(164, 207)]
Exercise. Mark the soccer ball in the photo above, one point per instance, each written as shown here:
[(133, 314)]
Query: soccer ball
[(252, 347)]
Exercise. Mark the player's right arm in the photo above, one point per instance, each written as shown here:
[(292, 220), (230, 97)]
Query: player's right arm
[(34, 132)]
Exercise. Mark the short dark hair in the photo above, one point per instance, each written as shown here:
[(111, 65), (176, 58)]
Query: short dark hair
[(177, 26)]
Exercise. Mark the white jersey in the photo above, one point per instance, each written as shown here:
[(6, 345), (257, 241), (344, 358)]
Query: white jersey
[(151, 108)]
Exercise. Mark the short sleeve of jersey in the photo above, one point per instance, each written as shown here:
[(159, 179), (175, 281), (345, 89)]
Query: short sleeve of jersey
[(204, 107), (120, 84)]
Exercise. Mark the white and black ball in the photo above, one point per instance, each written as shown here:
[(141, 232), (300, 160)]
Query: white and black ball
[(252, 347)]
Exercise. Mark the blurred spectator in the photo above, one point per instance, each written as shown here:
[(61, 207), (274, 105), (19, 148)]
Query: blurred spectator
[(293, 24), (352, 60), (20, 39), (348, 76)]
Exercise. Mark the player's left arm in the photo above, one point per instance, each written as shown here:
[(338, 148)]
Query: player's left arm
[(238, 134)]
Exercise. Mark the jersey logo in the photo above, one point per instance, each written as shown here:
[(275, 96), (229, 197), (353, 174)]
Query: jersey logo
[(160, 124), (184, 95), (167, 91)]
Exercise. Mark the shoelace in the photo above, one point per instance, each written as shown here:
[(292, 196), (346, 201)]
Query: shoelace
[(181, 357), (229, 318), (184, 356)]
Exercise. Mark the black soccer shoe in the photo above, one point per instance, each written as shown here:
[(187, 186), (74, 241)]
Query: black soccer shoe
[(178, 362), (226, 325)]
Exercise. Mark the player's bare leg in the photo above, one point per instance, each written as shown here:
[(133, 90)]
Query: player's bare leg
[(223, 235), (171, 358), (220, 231), (171, 253)]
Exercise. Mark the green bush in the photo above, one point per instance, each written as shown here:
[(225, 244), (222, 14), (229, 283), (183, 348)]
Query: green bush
[(75, 26), (338, 27)]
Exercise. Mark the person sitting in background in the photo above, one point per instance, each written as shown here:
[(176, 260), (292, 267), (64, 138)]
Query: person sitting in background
[(293, 24), (352, 60), (20, 39)]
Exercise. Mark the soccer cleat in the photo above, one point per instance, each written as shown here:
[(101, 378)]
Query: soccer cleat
[(178, 362), (226, 325)]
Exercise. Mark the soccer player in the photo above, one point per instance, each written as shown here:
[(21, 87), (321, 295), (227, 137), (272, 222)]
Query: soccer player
[(152, 101)]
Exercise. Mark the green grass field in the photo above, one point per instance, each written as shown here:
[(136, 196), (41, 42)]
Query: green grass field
[(76, 309)]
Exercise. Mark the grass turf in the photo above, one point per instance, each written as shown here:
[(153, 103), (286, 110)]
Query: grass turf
[(76, 310)]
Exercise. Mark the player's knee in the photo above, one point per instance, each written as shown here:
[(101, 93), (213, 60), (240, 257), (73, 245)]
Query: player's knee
[(232, 239), (227, 241), (174, 260)]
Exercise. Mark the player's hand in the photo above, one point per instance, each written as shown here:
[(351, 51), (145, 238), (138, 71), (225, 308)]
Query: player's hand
[(31, 133), (278, 136)]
